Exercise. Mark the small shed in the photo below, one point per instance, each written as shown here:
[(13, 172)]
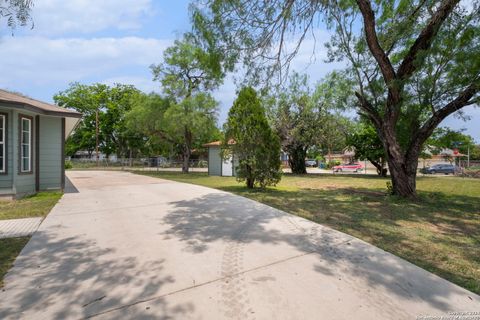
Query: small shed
[(32, 144), (217, 166)]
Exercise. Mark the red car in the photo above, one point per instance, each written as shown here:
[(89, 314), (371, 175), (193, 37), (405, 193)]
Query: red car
[(353, 167)]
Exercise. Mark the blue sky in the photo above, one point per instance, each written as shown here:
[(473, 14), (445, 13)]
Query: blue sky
[(115, 41)]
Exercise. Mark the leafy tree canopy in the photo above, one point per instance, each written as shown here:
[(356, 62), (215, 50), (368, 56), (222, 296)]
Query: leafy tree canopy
[(367, 145), (188, 73), (446, 138), (111, 103), (306, 118), (188, 68), (412, 62), (162, 122)]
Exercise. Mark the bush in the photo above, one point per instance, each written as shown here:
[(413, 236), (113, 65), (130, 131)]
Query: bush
[(332, 164), (256, 145), (68, 164)]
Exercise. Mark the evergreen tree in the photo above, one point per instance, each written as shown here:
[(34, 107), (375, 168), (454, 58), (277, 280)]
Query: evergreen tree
[(254, 142)]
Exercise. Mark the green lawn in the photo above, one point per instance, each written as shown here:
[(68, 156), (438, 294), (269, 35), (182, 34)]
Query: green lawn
[(440, 232), (38, 205), (9, 250)]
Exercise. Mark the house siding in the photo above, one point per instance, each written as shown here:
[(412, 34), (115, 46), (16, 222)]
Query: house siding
[(23, 183), (6, 179), (50, 153), (214, 161)]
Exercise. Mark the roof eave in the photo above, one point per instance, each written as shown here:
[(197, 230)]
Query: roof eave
[(28, 107)]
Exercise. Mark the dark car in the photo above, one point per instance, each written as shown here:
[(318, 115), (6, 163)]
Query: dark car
[(440, 168)]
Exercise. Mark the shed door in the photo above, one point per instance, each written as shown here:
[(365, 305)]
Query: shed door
[(227, 167)]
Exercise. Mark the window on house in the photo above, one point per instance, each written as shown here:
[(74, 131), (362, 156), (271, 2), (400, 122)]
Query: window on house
[(25, 147), (3, 142)]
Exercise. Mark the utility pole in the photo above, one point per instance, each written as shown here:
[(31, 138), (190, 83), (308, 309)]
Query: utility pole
[(96, 137), (468, 156)]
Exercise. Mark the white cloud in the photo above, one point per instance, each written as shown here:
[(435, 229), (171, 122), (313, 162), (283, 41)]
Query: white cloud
[(42, 61), (56, 17)]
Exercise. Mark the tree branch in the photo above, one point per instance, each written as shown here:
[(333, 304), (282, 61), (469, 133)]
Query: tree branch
[(372, 41), (425, 39), (462, 100), (369, 109)]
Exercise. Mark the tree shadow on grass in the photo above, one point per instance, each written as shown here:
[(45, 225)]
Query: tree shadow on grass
[(65, 278), (225, 217), (337, 175)]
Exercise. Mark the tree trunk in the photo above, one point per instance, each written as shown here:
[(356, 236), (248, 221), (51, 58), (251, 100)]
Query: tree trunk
[(403, 178), (296, 159), (402, 166), (186, 160), (187, 151), (250, 178), (380, 166)]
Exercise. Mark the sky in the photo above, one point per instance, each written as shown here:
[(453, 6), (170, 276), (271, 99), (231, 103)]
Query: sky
[(115, 41)]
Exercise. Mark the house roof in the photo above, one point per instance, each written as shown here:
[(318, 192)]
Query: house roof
[(444, 152), (218, 143), (19, 101)]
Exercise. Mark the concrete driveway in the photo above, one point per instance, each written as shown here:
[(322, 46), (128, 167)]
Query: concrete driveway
[(122, 246)]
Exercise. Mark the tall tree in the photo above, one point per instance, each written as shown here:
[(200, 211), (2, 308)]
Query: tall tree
[(188, 71), (147, 118), (112, 104), (414, 62), (297, 119), (305, 118), (255, 144), (16, 12), (161, 121), (368, 146)]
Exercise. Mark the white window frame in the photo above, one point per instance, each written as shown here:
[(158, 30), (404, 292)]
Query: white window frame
[(3, 142), (29, 144)]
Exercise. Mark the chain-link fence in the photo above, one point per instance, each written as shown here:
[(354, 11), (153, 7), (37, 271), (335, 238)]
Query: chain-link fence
[(141, 164)]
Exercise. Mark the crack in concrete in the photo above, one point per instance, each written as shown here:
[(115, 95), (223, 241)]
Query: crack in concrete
[(93, 301)]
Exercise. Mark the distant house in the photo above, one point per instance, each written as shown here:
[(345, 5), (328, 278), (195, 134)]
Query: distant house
[(32, 136), (347, 155), (444, 155), (217, 166)]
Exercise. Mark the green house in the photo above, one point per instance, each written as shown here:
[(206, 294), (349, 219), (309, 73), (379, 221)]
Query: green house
[(32, 138)]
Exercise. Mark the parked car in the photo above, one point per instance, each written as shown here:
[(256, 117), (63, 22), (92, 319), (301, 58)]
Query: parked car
[(441, 168), (310, 163), (352, 167)]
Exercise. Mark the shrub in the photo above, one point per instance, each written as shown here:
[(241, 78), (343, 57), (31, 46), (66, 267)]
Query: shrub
[(68, 164), (255, 144), (332, 164)]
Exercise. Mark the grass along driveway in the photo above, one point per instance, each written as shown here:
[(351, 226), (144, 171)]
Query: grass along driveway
[(440, 232), (9, 250), (38, 205)]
